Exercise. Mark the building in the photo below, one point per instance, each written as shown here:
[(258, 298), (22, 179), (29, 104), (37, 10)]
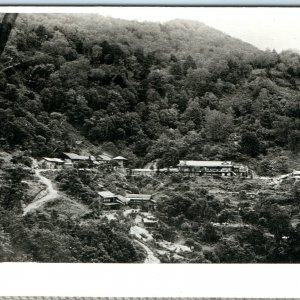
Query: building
[(141, 201), (241, 170), (152, 172), (95, 163), (296, 174), (52, 163), (142, 172), (68, 164), (110, 200), (120, 160), (122, 199), (212, 168), (75, 157), (78, 159), (104, 159), (167, 170), (150, 222)]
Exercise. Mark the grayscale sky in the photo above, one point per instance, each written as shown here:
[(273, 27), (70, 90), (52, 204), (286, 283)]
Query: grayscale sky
[(265, 28), (273, 28)]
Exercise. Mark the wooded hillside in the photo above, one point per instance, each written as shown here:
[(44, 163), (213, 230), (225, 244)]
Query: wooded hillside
[(154, 91)]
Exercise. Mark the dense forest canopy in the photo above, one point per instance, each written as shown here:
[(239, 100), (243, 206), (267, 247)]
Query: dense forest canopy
[(151, 89)]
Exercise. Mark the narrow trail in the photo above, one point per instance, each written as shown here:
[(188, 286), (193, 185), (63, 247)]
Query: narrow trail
[(150, 259), (51, 194), (276, 180)]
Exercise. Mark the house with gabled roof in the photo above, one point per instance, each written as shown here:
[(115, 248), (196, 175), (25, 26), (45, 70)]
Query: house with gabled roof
[(110, 201), (75, 157), (103, 158), (140, 201), (52, 163)]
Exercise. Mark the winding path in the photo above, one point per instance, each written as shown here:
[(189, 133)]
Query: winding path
[(51, 194), (275, 180), (150, 259)]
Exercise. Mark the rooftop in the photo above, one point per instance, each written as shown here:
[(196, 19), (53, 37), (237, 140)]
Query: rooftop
[(120, 158), (107, 194), (103, 157), (139, 196), (56, 160), (144, 170), (75, 156), (122, 198), (169, 170), (150, 221), (204, 163)]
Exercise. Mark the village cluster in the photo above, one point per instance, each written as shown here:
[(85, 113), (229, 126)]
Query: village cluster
[(145, 202), (191, 167), (71, 160), (111, 201)]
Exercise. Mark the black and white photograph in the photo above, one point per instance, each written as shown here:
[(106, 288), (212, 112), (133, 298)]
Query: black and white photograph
[(131, 298), (150, 135)]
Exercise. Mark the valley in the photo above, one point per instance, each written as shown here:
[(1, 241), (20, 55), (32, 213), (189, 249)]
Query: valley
[(145, 142)]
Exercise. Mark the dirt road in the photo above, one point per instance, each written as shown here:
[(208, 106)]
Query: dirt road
[(275, 180), (52, 193), (150, 259)]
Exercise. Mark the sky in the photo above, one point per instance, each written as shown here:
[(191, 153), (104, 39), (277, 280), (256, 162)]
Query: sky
[(272, 28), (265, 28)]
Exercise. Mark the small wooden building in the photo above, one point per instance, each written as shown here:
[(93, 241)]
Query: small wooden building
[(150, 222), (141, 201), (142, 172), (120, 160), (241, 171), (110, 200), (104, 159), (52, 163), (77, 159), (68, 164), (296, 174)]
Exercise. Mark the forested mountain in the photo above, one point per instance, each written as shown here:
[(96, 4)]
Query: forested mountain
[(149, 92), (144, 85)]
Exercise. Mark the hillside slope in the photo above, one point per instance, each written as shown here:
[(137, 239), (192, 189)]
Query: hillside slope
[(153, 93)]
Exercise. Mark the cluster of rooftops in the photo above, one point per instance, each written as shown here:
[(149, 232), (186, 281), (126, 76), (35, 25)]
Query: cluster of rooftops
[(71, 159), (200, 167), (197, 167)]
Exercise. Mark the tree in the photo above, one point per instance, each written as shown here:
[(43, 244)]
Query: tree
[(296, 192), (6, 26), (194, 112), (210, 233), (229, 250), (294, 141), (218, 125), (250, 144)]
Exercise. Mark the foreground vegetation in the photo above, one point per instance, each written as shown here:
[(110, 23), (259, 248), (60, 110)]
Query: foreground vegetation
[(224, 220)]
